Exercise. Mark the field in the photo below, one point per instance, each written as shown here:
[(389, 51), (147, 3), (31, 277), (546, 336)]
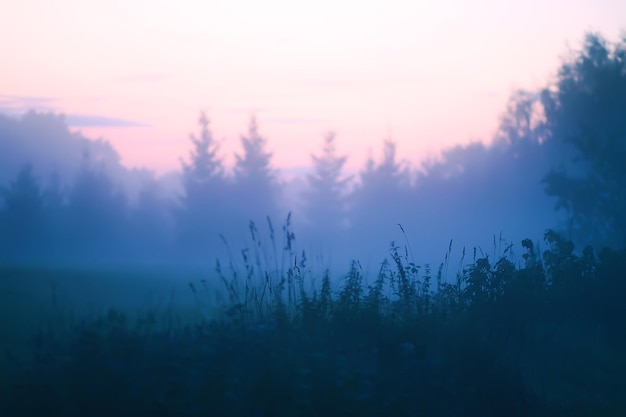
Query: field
[(53, 298), (542, 335)]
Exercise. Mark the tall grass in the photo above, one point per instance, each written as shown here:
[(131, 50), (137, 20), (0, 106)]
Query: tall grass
[(539, 335)]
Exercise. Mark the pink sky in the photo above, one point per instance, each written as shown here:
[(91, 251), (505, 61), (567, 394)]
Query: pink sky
[(430, 73)]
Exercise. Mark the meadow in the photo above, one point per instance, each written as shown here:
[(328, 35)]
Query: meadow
[(264, 334)]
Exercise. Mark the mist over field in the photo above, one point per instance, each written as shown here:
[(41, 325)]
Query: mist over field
[(67, 198), (511, 245), (68, 201)]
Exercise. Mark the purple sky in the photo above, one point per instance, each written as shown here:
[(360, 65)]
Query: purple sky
[(428, 73)]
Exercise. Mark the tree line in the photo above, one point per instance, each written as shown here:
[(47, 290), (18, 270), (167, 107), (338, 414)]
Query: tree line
[(556, 161)]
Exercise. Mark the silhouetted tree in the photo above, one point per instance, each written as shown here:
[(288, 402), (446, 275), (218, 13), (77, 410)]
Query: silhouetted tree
[(205, 165), (204, 205), (22, 218), (255, 180), (325, 200), (45, 141), (477, 191), (380, 201), (55, 203), (457, 189), (151, 221), (388, 176), (523, 145), (586, 109), (520, 119), (42, 140), (97, 214)]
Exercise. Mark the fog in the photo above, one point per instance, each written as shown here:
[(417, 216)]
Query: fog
[(487, 280), (67, 199)]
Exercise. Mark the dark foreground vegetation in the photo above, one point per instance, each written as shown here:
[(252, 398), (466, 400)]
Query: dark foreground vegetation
[(542, 335)]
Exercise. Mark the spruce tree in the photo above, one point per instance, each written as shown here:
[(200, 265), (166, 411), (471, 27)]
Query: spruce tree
[(326, 197), (381, 199), (256, 183), (203, 203)]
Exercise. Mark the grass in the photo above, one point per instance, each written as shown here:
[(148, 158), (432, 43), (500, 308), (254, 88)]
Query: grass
[(542, 335)]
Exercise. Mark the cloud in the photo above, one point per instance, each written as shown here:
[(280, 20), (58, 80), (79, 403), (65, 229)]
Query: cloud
[(17, 105), (85, 120)]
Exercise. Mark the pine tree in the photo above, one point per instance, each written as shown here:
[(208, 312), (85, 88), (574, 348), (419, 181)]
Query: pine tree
[(204, 183), (326, 198), (388, 177), (254, 177), (380, 201), (204, 166)]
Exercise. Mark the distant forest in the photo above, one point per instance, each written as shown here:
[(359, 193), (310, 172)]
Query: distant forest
[(557, 161)]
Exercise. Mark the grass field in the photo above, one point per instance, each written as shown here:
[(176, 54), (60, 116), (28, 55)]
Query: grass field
[(52, 297), (540, 337)]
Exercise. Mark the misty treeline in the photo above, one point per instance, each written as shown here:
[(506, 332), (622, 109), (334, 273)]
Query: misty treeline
[(556, 161)]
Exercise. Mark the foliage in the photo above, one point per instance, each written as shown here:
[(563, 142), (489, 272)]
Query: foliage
[(585, 109), (572, 131), (151, 221), (543, 337), (96, 211), (45, 141), (204, 183), (22, 219), (255, 179), (380, 200), (326, 197), (204, 165)]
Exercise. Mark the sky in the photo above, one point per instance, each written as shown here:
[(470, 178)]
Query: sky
[(427, 74)]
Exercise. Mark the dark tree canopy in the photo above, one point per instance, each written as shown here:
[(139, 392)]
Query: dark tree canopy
[(586, 109)]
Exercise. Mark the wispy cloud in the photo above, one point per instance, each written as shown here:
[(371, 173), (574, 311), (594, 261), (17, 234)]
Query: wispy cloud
[(86, 120), (16, 105)]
